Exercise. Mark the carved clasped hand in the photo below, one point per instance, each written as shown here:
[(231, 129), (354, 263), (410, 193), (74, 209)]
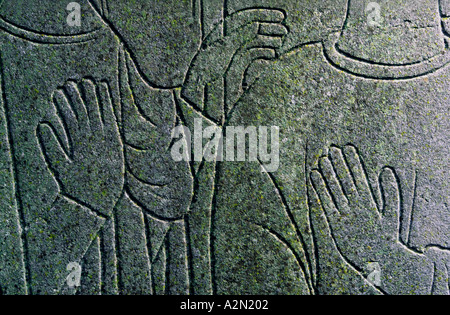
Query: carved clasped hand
[(84, 152), (248, 36)]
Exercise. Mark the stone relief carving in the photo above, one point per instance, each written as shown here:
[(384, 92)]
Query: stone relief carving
[(359, 205)]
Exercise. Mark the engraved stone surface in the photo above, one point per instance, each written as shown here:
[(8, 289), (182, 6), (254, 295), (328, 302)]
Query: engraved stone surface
[(350, 197)]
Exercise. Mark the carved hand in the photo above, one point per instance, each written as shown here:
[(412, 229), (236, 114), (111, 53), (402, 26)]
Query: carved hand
[(84, 152), (365, 235), (250, 35)]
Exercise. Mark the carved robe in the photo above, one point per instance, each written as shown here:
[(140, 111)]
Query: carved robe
[(118, 250)]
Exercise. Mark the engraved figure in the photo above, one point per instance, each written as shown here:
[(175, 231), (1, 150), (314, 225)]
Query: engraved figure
[(61, 129), (340, 90), (90, 179), (221, 53)]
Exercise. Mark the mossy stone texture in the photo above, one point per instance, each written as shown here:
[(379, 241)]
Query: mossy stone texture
[(359, 93)]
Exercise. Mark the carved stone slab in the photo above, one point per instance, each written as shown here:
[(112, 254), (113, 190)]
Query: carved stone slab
[(119, 122)]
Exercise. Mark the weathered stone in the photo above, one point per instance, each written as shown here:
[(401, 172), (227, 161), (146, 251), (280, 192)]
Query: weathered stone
[(90, 189)]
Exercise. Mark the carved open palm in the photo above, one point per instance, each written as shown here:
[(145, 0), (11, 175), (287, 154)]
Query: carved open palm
[(357, 224), (363, 233), (84, 152)]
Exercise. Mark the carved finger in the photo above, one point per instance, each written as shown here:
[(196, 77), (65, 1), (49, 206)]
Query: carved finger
[(333, 185), (52, 148), (264, 41), (239, 19), (76, 102), (92, 104), (343, 173), (67, 116), (356, 168), (325, 198), (272, 29)]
